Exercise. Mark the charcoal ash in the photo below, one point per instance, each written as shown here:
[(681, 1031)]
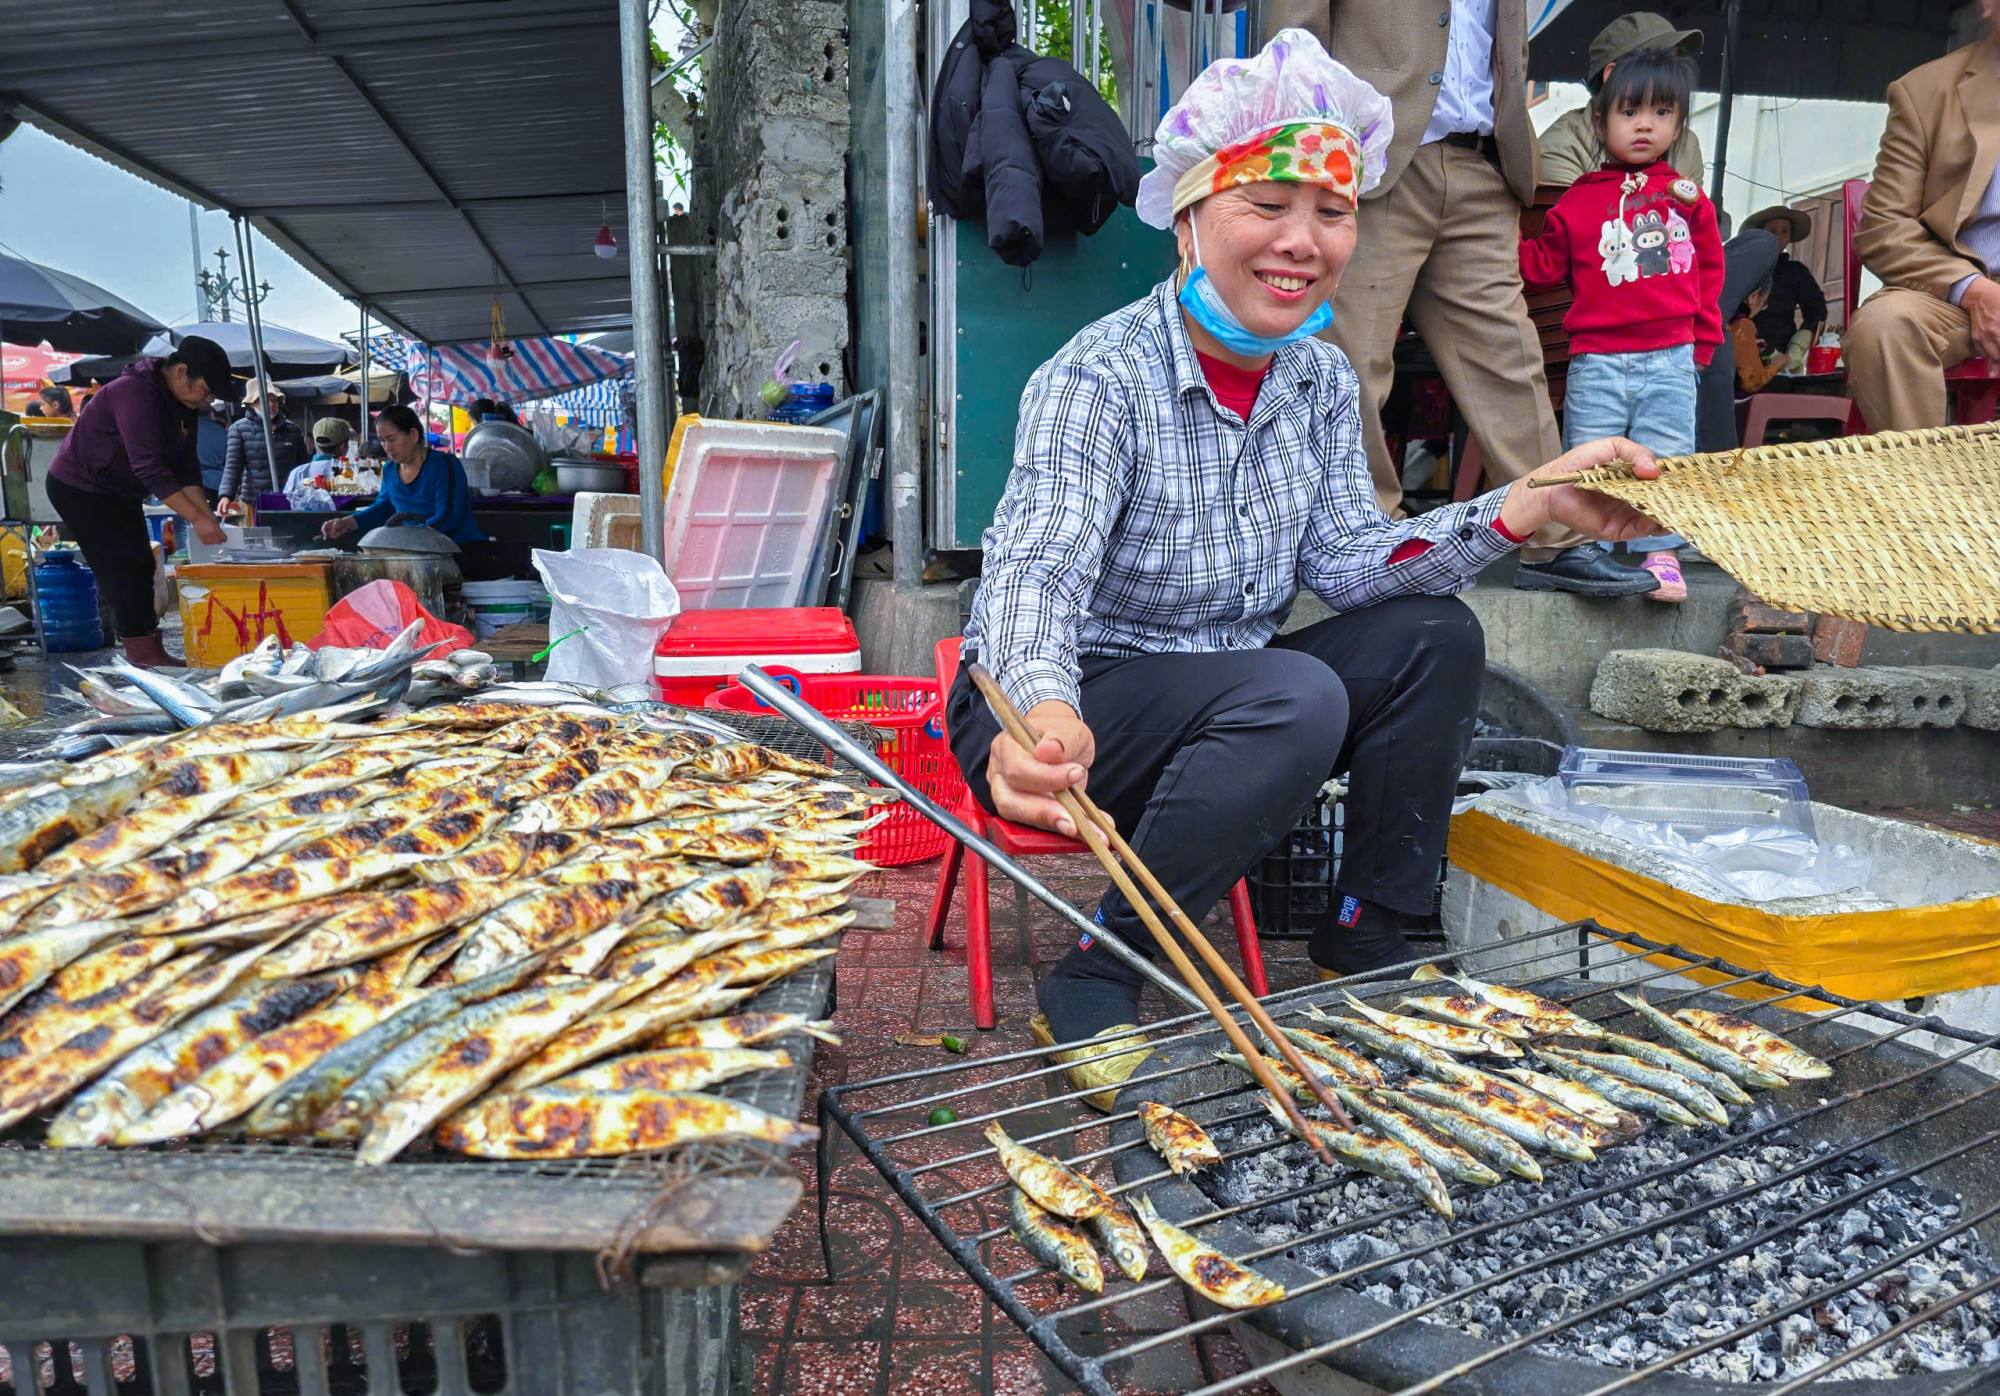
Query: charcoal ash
[(1806, 1258)]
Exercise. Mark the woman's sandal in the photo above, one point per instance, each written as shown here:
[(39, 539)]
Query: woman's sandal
[(1667, 567)]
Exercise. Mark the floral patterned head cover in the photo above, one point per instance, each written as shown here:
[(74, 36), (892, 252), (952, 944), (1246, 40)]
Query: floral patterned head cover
[(1290, 113)]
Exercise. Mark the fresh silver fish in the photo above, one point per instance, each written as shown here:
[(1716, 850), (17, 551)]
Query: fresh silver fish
[(1550, 1018), (1119, 1232), (1577, 1098), (1385, 1158), (1685, 1089), (1334, 1055), (1523, 1126), (1382, 1042), (1667, 1059), (1445, 1037), (1440, 1153), (1619, 1090), (1480, 1140)]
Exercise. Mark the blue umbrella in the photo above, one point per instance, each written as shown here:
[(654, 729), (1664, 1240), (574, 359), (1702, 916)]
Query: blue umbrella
[(40, 304), (303, 354)]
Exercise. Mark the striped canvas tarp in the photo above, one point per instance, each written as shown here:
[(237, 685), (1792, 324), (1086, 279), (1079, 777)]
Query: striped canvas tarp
[(1542, 12), (537, 368), (599, 405)]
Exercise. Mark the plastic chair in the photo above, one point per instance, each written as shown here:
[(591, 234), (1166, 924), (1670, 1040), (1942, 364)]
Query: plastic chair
[(1020, 841), (1972, 385), (1768, 407)]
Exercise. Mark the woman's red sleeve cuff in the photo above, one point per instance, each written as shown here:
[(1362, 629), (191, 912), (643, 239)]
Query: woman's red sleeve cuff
[(1509, 534), (1407, 549)]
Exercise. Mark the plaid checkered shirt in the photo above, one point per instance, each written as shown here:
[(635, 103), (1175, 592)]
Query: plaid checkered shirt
[(1142, 517)]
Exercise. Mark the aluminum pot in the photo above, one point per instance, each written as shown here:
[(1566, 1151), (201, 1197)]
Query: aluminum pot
[(511, 456)]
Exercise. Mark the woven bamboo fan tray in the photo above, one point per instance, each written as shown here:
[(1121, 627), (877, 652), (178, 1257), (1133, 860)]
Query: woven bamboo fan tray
[(1900, 529)]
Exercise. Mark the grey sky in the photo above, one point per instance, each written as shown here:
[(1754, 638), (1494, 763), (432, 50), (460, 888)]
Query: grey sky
[(73, 212)]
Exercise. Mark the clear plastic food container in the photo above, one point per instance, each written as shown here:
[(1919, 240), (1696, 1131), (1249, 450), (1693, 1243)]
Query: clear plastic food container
[(1694, 794)]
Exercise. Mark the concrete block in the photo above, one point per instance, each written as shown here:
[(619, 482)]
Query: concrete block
[(1856, 699), (1770, 651), (1940, 698), (1980, 687), (1665, 690), (1837, 641), (1765, 700)]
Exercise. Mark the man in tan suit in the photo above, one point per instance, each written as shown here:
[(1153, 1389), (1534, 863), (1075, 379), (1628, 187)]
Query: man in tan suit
[(1930, 228), (1440, 240)]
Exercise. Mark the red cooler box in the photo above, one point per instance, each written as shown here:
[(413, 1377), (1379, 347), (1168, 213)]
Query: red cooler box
[(703, 651)]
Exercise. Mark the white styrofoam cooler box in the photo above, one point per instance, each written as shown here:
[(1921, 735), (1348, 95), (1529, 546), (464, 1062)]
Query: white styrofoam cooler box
[(746, 505)]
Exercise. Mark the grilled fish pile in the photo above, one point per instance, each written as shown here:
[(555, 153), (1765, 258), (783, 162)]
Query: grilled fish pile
[(516, 928), (1449, 1119)]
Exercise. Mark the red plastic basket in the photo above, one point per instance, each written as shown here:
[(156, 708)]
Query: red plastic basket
[(911, 709)]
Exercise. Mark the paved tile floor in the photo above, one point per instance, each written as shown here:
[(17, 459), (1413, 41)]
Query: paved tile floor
[(901, 1316)]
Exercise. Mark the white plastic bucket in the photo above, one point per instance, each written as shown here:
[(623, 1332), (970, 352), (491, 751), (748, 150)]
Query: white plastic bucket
[(503, 603)]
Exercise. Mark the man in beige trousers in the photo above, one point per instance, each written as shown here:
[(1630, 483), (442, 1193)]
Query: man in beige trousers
[(1930, 228), (1440, 240)]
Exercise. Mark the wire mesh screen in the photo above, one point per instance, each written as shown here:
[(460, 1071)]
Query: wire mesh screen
[(1835, 1229)]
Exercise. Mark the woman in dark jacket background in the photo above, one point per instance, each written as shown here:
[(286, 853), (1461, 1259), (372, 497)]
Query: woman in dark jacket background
[(136, 436)]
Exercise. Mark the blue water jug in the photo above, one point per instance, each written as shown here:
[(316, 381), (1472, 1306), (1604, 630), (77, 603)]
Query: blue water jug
[(805, 400), (68, 592)]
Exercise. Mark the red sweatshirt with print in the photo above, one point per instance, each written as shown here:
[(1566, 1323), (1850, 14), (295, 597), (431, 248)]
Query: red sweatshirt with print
[(1639, 248)]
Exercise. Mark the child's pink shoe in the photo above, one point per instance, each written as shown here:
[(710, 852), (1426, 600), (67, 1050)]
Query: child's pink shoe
[(1667, 567)]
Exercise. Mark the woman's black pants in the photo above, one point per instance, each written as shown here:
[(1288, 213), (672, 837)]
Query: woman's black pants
[(112, 534), (1206, 760)]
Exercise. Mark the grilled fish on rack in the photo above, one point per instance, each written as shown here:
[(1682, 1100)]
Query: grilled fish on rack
[(743, 1031), (149, 1075), (776, 964), (36, 825), (1382, 1042), (1351, 1064), (1184, 1144), (1204, 1269), (504, 856), (1620, 1092), (1291, 1080), (1445, 1037), (371, 922), (1385, 1158), (1047, 1183), (546, 918), (1582, 1128), (1119, 1232), (1472, 1012), (676, 1000), (1756, 1044), (1667, 1059), (1440, 1153), (1577, 1098), (680, 1069), (134, 834), (1550, 1018), (246, 1077), (559, 1124), (1523, 1126), (1706, 1050), (1481, 1141), (464, 1056), (1056, 1242), (27, 959), (1663, 1080), (60, 1011)]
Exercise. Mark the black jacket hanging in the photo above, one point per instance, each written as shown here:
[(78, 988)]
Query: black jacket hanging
[(1055, 156)]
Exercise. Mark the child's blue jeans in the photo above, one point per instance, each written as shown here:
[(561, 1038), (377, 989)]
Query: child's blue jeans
[(1646, 397)]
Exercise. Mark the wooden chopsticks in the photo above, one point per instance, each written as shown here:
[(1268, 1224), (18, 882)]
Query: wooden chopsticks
[(1092, 826)]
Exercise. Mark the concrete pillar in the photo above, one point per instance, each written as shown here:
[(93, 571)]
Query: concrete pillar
[(776, 127)]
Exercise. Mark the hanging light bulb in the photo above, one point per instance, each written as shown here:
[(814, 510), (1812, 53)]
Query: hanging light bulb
[(605, 246)]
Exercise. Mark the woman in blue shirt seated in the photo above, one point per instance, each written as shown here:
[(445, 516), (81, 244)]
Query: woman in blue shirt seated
[(423, 480)]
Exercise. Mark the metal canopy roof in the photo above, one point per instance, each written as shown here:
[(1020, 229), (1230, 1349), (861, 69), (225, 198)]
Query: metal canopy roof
[(421, 156), (1847, 49)]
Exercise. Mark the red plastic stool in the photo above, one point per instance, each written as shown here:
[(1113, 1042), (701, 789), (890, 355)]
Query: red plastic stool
[(1020, 841)]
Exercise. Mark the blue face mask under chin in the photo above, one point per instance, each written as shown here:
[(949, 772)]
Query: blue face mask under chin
[(1204, 303)]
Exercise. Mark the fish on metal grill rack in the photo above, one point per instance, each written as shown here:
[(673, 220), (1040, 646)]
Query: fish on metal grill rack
[(1585, 1216)]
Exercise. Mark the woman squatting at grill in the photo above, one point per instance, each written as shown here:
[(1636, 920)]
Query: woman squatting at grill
[(1181, 468)]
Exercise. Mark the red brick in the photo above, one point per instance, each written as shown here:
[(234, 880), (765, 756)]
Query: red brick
[(1748, 667), (1771, 651), (1749, 614), (1837, 641)]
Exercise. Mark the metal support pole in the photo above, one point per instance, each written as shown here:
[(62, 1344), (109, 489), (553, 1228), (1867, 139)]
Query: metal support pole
[(246, 253), (642, 244), (1732, 14), (364, 377), (906, 518), (201, 311)]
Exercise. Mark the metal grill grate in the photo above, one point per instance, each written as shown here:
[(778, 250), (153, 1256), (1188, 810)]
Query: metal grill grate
[(1912, 1115)]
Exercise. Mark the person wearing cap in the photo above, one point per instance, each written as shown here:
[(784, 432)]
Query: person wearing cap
[(1796, 304), (1571, 149), (1182, 468), (136, 437), (1437, 245), (247, 471), (330, 439)]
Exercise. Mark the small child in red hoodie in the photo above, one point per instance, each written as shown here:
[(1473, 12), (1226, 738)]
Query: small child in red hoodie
[(1637, 243)]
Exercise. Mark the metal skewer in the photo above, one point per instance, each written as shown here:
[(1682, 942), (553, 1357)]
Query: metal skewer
[(862, 759), (1092, 825)]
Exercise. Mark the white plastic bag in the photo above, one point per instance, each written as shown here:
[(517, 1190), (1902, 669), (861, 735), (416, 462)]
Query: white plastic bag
[(623, 597)]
